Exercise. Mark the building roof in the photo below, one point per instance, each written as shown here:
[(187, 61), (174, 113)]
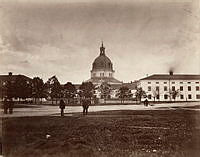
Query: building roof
[(13, 77), (10, 77), (110, 80), (131, 86), (172, 77)]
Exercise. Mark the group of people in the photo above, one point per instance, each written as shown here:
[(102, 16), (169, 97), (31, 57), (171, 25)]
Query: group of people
[(85, 104), (8, 105)]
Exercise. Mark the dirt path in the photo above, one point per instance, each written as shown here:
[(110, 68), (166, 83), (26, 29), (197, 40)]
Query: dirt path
[(54, 110)]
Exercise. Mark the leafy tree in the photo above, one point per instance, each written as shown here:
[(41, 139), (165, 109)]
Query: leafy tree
[(38, 88), (18, 87), (9, 89), (86, 90), (124, 92), (53, 88), (140, 93), (69, 90), (23, 88), (105, 90)]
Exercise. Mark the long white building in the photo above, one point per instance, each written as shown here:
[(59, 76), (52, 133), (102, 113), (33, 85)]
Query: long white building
[(159, 87)]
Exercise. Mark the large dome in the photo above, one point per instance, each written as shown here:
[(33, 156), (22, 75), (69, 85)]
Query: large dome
[(102, 62), (102, 69)]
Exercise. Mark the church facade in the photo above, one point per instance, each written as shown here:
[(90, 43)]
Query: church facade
[(102, 70)]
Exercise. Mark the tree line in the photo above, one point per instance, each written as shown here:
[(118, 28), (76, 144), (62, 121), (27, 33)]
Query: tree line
[(37, 89)]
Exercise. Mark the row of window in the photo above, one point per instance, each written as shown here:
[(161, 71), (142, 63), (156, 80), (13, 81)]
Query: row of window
[(102, 74), (173, 82), (181, 96), (173, 88)]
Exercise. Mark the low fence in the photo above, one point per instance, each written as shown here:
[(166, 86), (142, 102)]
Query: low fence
[(94, 101)]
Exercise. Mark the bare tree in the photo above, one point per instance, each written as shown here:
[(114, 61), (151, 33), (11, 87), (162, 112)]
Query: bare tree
[(156, 94), (174, 94)]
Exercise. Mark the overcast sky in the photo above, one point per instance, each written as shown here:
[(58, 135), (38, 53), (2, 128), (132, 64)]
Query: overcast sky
[(62, 38)]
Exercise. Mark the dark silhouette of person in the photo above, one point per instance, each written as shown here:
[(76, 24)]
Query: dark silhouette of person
[(62, 107), (5, 106), (86, 103), (11, 106), (146, 102)]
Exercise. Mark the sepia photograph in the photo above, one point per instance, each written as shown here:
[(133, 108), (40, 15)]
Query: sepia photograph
[(99, 78)]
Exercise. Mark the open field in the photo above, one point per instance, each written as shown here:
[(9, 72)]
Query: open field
[(109, 133)]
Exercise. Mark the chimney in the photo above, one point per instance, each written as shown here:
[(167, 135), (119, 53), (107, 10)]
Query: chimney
[(171, 73), (10, 73)]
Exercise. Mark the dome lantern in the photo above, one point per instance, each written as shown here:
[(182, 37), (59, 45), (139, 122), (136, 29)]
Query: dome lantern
[(102, 49)]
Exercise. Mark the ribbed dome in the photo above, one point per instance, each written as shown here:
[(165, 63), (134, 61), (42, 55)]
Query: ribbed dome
[(102, 69), (102, 62)]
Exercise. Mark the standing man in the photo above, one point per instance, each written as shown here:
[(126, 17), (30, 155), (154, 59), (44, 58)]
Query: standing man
[(146, 102), (5, 106), (11, 106), (86, 103), (62, 107)]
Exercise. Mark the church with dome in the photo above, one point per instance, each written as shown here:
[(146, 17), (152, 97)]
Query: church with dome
[(102, 70)]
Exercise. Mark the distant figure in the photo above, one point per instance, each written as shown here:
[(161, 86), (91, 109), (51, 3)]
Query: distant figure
[(146, 102), (62, 107), (11, 106), (86, 103), (5, 106)]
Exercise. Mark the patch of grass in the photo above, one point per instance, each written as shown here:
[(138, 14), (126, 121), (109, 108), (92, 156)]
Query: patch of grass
[(108, 133)]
